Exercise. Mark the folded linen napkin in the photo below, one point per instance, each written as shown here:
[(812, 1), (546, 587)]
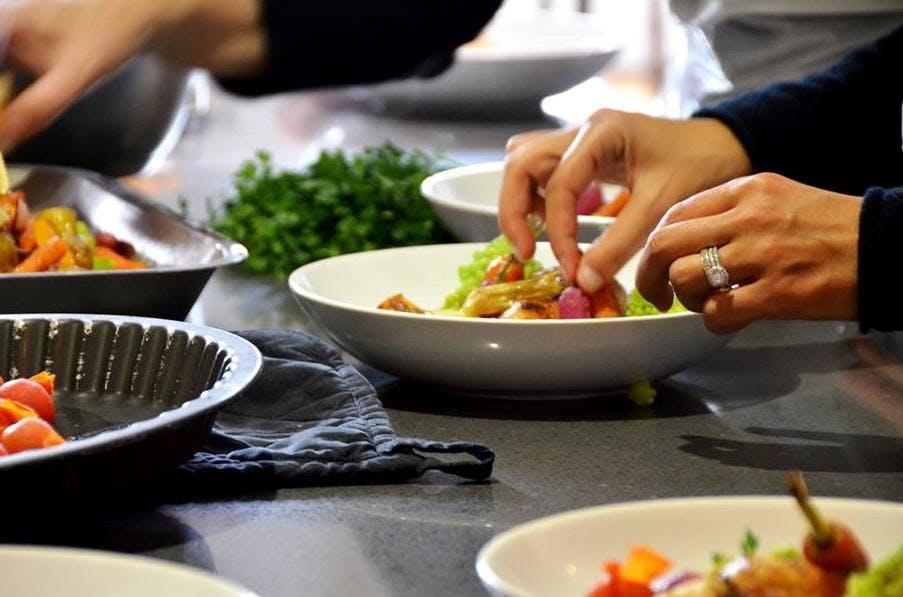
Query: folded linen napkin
[(310, 418)]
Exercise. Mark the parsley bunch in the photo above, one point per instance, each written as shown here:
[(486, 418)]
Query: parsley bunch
[(340, 204)]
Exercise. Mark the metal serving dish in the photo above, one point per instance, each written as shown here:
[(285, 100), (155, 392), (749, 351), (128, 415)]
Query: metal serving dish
[(135, 396), (183, 255)]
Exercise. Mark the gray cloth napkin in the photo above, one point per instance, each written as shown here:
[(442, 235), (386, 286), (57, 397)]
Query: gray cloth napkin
[(310, 418)]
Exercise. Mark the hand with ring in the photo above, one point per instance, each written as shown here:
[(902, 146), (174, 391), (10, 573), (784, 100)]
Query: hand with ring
[(661, 161), (773, 248)]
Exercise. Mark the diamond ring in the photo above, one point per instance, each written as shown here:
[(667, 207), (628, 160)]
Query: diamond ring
[(715, 274)]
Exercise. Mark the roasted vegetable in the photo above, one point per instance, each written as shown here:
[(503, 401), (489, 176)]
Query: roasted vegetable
[(495, 299), (398, 302)]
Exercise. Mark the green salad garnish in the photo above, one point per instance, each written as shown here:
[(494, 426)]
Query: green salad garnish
[(340, 204)]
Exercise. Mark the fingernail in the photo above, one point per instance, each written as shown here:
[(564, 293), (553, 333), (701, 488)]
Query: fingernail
[(589, 279)]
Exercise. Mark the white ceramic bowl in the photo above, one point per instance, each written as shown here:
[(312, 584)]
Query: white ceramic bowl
[(521, 57), (43, 571), (466, 200), (561, 555), (526, 358)]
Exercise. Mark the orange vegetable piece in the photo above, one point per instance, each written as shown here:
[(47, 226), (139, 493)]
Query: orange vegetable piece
[(45, 379), (119, 262), (30, 434), (42, 258), (27, 241), (643, 565), (503, 269), (43, 231), (614, 207), (9, 204), (13, 412), (607, 585)]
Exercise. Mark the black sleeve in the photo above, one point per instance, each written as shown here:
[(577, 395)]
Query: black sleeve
[(839, 129), (324, 43), (880, 247)]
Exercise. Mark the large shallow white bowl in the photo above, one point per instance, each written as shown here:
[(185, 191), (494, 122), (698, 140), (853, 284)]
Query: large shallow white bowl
[(45, 571), (531, 358), (466, 200), (562, 555), (521, 57)]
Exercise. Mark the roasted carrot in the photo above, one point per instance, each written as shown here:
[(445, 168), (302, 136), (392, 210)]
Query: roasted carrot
[(27, 241), (45, 379), (43, 257), (614, 207), (119, 262)]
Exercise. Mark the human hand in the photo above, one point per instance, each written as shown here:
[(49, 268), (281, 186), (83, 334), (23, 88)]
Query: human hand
[(791, 248), (69, 45), (661, 162)]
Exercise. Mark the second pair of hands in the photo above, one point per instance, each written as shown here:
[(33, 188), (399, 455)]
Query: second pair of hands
[(792, 248), (69, 45)]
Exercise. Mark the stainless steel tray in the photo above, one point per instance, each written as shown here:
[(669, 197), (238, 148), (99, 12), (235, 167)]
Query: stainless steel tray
[(135, 396), (183, 254)]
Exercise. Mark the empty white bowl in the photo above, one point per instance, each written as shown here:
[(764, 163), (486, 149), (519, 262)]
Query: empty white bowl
[(522, 56), (562, 555), (493, 356), (466, 200)]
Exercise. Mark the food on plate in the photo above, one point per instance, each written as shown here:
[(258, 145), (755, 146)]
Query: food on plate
[(497, 285), (340, 204), (54, 239), (592, 202), (831, 563), (26, 413)]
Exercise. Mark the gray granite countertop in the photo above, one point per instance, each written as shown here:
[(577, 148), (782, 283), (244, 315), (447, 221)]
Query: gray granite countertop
[(820, 397)]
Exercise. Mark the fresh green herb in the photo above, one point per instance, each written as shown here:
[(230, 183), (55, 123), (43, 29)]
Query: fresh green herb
[(750, 544), (340, 204), (719, 560)]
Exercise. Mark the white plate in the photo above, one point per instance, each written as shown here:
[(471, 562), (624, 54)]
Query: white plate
[(486, 355), (561, 555), (45, 571), (466, 200), (521, 57)]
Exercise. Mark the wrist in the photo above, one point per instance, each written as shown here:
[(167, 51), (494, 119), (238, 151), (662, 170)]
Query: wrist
[(718, 151)]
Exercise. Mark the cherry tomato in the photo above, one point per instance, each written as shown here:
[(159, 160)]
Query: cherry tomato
[(503, 269), (30, 434), (30, 394)]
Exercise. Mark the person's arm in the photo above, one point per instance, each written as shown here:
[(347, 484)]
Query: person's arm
[(880, 247), (318, 43), (839, 129)]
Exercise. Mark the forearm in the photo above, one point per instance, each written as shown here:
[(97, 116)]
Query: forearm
[(880, 248), (839, 129)]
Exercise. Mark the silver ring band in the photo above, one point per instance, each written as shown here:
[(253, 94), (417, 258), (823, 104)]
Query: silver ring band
[(715, 274)]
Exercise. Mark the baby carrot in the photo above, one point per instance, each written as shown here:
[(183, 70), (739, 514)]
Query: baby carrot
[(614, 207), (43, 257), (119, 262)]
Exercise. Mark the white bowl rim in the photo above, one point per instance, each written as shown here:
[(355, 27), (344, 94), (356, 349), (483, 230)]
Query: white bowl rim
[(500, 541), (428, 186), (295, 286), (139, 561), (602, 42)]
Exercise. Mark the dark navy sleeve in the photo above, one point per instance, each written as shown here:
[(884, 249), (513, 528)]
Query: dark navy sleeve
[(880, 247), (839, 129), (326, 43)]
